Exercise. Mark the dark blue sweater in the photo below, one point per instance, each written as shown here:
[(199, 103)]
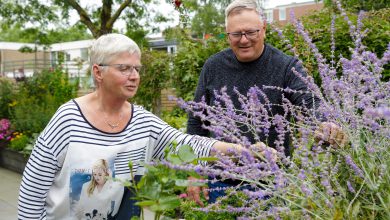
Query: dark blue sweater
[(272, 68)]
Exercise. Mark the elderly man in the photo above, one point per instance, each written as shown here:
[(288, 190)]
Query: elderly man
[(247, 63)]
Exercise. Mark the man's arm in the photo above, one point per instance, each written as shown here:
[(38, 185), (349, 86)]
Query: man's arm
[(328, 132), (295, 82)]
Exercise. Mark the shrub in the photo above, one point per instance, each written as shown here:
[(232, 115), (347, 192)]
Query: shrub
[(38, 98), (154, 78), (318, 181), (7, 93), (317, 25), (19, 141), (176, 118), (189, 61)]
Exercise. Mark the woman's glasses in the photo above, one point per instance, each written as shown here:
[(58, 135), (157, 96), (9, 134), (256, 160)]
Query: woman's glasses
[(125, 69)]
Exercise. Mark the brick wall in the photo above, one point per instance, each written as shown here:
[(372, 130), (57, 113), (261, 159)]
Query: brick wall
[(298, 9), (166, 104)]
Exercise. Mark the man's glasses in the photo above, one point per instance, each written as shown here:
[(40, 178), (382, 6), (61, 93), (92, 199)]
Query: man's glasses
[(126, 70), (250, 35)]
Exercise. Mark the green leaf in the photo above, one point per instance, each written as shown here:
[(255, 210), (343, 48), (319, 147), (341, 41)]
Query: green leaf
[(356, 210), (186, 154), (166, 203), (141, 183), (181, 182), (127, 184), (174, 159), (146, 203), (165, 179)]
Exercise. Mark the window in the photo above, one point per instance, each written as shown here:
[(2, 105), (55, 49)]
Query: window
[(84, 54), (269, 15), (67, 57), (282, 14)]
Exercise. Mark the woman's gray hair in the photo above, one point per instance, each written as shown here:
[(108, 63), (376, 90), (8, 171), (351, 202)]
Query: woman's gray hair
[(107, 47), (238, 5)]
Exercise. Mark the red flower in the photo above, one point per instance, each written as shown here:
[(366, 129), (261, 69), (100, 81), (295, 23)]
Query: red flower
[(177, 3)]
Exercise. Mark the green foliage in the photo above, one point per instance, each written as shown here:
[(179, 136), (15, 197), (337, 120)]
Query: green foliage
[(160, 186), (207, 20), (21, 12), (154, 78), (189, 61), (99, 19), (318, 27), (17, 33), (176, 118), (38, 98), (30, 115), (358, 5), (188, 208), (7, 93), (19, 141)]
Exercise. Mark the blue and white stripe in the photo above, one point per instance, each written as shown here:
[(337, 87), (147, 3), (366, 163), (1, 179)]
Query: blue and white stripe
[(69, 126)]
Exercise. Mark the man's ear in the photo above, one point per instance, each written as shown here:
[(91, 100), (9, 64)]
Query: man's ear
[(264, 27)]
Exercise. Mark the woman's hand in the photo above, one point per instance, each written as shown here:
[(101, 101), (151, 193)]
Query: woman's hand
[(261, 150)]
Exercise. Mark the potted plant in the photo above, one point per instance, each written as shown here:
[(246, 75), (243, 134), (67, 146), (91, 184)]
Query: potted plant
[(15, 147), (161, 190)]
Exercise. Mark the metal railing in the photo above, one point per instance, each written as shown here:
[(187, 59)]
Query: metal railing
[(26, 68)]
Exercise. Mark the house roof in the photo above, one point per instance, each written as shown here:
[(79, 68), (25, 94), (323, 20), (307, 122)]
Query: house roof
[(16, 46), (71, 45), (54, 47), (296, 4)]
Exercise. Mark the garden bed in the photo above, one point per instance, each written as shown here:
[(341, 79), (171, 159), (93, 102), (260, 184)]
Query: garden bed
[(12, 160)]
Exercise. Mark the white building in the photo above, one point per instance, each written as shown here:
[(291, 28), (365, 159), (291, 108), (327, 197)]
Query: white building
[(22, 60)]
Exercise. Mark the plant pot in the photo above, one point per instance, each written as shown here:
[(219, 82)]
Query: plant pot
[(150, 215), (12, 159)]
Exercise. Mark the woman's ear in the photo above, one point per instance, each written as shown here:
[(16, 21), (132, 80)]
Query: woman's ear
[(97, 72)]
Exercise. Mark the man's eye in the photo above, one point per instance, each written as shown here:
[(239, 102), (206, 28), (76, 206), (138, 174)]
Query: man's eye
[(137, 68), (236, 34), (251, 32)]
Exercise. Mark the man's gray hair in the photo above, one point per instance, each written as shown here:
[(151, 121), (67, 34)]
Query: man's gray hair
[(238, 5)]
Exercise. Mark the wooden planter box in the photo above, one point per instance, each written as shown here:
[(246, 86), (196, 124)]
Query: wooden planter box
[(12, 160)]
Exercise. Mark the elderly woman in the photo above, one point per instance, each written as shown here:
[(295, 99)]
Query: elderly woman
[(99, 125)]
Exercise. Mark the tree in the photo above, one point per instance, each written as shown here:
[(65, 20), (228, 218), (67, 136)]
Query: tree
[(99, 19), (17, 33), (358, 5)]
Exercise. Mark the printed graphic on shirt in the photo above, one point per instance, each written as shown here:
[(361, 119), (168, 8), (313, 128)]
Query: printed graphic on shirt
[(93, 193)]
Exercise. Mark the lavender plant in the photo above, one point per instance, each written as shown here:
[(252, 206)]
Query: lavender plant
[(318, 180)]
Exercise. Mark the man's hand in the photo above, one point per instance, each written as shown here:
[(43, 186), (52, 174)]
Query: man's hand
[(193, 192), (331, 133)]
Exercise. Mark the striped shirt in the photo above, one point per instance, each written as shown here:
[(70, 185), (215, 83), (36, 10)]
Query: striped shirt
[(60, 167)]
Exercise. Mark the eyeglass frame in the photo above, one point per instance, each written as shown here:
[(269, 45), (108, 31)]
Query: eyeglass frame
[(256, 32), (129, 68)]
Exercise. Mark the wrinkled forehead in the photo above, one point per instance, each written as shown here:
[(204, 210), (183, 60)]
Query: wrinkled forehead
[(119, 55)]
